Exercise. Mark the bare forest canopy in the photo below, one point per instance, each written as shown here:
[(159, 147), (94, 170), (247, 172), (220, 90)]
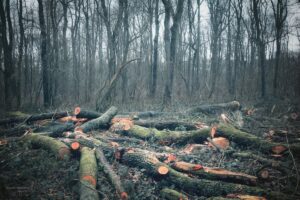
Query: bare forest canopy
[(141, 53)]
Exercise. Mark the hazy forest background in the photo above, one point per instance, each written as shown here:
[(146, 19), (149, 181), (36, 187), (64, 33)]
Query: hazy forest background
[(147, 54)]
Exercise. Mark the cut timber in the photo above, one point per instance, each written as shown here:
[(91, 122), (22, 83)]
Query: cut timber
[(55, 129), (216, 108), (100, 122), (113, 177), (171, 194), (171, 125), (79, 113), (88, 174), (215, 173), (248, 140), (202, 187), (58, 148), (32, 118)]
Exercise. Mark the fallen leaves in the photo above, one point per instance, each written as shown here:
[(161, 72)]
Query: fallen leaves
[(119, 124), (170, 158), (220, 142)]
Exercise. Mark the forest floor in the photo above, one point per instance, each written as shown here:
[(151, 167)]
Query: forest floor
[(27, 172)]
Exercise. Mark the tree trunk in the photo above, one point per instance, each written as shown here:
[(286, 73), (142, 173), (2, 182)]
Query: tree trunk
[(44, 57)]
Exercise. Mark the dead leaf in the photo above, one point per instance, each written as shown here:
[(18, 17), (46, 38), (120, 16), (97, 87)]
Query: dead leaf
[(221, 142), (213, 131), (170, 158)]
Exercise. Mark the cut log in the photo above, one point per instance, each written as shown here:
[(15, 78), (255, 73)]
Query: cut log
[(16, 131), (171, 194), (55, 129), (113, 177), (56, 147), (100, 122), (216, 108), (215, 173), (88, 174), (36, 117), (80, 113), (202, 187), (171, 125)]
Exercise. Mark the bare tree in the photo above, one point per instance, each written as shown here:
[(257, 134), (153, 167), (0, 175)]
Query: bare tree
[(280, 14), (170, 45)]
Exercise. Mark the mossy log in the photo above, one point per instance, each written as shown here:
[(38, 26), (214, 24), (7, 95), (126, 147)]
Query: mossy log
[(87, 114), (214, 173), (241, 138), (171, 125), (171, 194), (216, 108), (201, 187), (55, 129), (100, 122), (113, 177), (88, 174), (32, 118), (59, 149)]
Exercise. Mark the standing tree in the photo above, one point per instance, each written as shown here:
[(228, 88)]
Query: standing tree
[(170, 45), (217, 10), (9, 68), (44, 56), (280, 13)]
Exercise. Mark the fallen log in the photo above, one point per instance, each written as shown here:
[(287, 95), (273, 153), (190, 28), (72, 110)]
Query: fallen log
[(36, 117), (171, 194), (202, 187), (16, 131), (59, 149), (216, 108), (55, 129), (88, 174), (80, 113), (100, 122), (113, 177), (215, 173), (171, 125)]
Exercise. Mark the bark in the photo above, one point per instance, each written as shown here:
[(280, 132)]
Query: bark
[(171, 125), (155, 52), (88, 174), (32, 118), (100, 122), (113, 177), (88, 114), (56, 147), (202, 187), (56, 129), (215, 173), (171, 194), (170, 45), (44, 57), (216, 108), (9, 69)]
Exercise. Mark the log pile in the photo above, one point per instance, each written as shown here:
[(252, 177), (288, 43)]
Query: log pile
[(78, 133)]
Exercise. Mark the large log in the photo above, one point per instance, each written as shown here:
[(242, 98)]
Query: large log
[(216, 108), (215, 173), (36, 117), (241, 138), (171, 125), (113, 177), (80, 113), (202, 187), (58, 148), (100, 122), (88, 175), (171, 194), (55, 129)]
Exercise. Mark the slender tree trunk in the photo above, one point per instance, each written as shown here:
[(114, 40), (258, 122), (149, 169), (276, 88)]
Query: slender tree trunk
[(9, 68), (155, 52), (44, 57)]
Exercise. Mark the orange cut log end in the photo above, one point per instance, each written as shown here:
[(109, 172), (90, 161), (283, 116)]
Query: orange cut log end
[(90, 179), (75, 146), (77, 110), (124, 196), (162, 170), (278, 149)]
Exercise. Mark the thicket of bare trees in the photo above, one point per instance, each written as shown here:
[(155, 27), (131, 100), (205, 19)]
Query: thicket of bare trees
[(142, 52)]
